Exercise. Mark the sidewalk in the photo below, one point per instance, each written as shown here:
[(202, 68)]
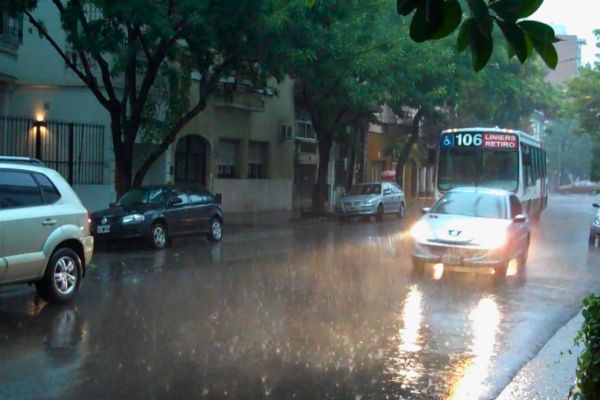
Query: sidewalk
[(267, 220), (551, 373)]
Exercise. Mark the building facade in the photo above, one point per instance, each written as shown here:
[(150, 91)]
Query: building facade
[(242, 146)]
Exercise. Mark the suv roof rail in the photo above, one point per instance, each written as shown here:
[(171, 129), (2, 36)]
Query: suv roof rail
[(21, 160)]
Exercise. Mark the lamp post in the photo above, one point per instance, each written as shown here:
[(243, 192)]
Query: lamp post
[(38, 137)]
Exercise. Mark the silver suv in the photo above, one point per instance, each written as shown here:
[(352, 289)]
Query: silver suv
[(44, 231)]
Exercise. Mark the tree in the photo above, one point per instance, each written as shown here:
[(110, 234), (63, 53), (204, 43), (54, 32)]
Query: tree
[(338, 52), (137, 43), (504, 94), (418, 89), (584, 105), (435, 87)]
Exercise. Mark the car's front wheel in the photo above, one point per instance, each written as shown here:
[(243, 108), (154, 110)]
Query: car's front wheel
[(159, 236), (62, 277), (379, 214), (215, 233)]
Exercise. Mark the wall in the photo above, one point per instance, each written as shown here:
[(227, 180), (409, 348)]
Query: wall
[(244, 195), (569, 59)]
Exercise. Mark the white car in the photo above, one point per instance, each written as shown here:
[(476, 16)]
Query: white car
[(44, 231), (473, 228), (372, 199)]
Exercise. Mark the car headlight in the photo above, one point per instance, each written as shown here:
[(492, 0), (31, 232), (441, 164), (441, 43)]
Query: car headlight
[(421, 231), (492, 239), (133, 219), (597, 221)]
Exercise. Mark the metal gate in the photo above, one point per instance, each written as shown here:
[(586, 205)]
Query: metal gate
[(75, 150)]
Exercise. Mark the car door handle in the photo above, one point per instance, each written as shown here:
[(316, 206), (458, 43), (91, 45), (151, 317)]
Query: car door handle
[(49, 221)]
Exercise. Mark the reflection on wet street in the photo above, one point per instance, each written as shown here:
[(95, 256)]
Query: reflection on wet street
[(307, 311)]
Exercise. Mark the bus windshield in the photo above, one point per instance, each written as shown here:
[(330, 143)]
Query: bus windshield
[(478, 167)]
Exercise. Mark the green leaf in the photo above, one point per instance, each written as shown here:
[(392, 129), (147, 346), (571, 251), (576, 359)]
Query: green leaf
[(481, 49), (539, 31), (420, 30), (405, 7), (530, 7), (452, 16), (516, 38), (427, 20), (462, 41), (481, 13), (512, 10), (310, 3), (547, 52)]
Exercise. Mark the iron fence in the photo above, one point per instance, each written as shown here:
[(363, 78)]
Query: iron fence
[(75, 150)]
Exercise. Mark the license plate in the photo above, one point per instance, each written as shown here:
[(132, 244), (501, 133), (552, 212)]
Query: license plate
[(450, 259), (103, 229)]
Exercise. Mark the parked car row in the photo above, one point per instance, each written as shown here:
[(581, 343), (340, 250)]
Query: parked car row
[(47, 235)]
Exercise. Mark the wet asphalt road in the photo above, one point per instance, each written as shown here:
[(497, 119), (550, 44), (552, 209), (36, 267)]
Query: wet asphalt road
[(310, 311)]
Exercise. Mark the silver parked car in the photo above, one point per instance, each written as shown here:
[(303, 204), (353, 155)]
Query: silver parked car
[(44, 231), (372, 199), (473, 228), (595, 227)]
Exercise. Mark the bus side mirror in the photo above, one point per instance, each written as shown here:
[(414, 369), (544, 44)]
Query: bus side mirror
[(431, 153), (596, 205)]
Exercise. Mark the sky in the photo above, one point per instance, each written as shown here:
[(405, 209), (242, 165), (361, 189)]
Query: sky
[(577, 17)]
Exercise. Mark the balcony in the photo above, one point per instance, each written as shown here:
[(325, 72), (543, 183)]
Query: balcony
[(238, 96), (11, 37)]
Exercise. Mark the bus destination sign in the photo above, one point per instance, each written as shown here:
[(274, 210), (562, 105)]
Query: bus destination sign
[(486, 140)]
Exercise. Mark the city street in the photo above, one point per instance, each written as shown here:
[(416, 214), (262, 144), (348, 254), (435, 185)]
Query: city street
[(307, 311)]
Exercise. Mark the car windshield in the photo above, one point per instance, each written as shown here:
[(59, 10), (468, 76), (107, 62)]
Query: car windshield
[(477, 167), (372, 188), (142, 196), (471, 205)]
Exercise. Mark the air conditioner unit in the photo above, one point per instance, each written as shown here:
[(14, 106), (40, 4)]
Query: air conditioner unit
[(286, 132)]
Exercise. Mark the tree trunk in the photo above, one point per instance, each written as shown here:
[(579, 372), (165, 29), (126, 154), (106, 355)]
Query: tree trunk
[(123, 168), (320, 194), (405, 153)]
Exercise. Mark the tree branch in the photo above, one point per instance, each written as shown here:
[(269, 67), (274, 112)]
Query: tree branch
[(206, 88), (150, 76), (102, 63), (145, 47), (87, 78)]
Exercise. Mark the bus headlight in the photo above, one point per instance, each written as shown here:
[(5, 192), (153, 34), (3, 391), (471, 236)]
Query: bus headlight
[(597, 221), (421, 231)]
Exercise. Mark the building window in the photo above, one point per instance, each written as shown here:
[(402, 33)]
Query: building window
[(304, 130), (228, 156), (258, 153)]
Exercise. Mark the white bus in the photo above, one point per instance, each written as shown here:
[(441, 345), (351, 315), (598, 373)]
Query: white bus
[(495, 158)]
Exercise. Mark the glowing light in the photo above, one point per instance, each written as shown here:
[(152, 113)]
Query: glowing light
[(39, 116), (513, 267), (485, 319), (405, 366), (420, 231), (438, 271), (412, 318)]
